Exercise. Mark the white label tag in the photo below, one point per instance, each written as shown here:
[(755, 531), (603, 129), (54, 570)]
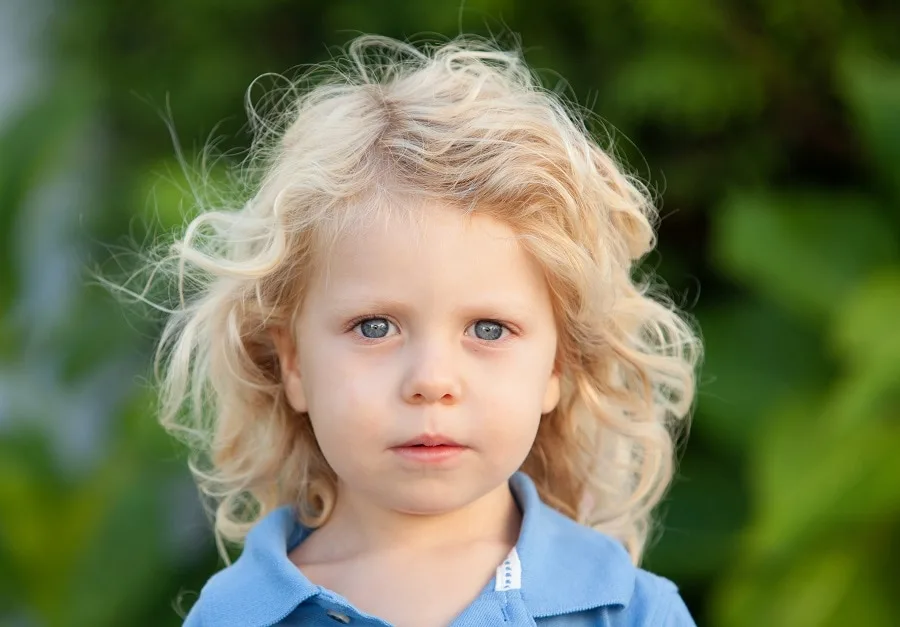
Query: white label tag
[(509, 573)]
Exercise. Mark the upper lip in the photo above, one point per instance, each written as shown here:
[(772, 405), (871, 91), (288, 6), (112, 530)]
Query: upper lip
[(429, 440)]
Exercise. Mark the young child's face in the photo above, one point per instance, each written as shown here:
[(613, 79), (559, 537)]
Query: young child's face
[(444, 328)]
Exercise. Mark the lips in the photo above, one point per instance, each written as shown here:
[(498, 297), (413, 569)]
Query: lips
[(429, 440), (436, 451)]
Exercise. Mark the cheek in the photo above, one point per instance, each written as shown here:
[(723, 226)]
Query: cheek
[(511, 396), (340, 378), (346, 398), (520, 379), (347, 428)]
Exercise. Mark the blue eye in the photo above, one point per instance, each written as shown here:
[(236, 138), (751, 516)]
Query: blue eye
[(488, 330), (374, 328)]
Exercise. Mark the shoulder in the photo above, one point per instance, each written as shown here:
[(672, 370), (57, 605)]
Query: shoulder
[(218, 593), (620, 593), (656, 601), (261, 587), (570, 569)]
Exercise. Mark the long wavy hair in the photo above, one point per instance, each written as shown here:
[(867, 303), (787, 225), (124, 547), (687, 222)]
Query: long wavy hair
[(464, 122)]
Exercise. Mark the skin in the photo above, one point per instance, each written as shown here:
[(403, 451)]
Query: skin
[(433, 292)]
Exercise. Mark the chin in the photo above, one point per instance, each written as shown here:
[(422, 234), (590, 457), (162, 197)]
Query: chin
[(429, 502)]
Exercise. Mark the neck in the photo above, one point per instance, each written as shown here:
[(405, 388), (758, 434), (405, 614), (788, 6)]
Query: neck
[(363, 526)]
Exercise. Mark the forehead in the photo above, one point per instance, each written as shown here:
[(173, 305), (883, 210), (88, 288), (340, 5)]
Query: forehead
[(434, 249)]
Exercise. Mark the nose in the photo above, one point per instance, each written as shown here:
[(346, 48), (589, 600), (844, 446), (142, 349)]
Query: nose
[(432, 377)]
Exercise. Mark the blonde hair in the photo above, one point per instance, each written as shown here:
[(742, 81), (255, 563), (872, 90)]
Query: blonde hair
[(467, 123)]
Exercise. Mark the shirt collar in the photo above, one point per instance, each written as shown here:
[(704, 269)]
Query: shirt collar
[(566, 567), (263, 586)]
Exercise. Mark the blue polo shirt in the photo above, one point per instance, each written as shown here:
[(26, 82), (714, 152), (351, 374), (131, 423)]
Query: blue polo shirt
[(559, 573)]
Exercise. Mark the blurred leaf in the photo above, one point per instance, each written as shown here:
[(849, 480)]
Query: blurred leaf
[(122, 558), (871, 87), (805, 250), (865, 335), (37, 506), (866, 328), (25, 508), (679, 87), (832, 586), (812, 473), (174, 194), (701, 517), (692, 18), (755, 357)]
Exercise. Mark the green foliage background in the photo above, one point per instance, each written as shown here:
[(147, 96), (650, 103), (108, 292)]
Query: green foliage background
[(771, 129)]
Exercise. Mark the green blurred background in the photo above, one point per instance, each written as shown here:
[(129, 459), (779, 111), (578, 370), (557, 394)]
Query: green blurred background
[(771, 130)]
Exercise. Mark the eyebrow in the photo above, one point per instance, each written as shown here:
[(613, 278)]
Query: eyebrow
[(496, 306), (349, 305)]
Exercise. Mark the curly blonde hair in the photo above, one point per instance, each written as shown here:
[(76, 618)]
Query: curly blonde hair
[(467, 123)]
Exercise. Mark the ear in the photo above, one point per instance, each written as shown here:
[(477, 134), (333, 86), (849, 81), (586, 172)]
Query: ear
[(290, 368), (552, 394)]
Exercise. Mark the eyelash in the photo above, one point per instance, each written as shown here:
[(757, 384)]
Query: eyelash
[(351, 326)]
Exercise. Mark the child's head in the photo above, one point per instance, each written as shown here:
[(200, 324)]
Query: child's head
[(435, 245), (433, 322)]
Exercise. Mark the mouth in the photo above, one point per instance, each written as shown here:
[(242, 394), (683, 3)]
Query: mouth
[(431, 450), (426, 440)]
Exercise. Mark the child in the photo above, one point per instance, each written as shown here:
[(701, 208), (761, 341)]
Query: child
[(421, 384)]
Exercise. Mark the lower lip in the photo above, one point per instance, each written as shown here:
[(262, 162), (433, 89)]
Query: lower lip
[(429, 454)]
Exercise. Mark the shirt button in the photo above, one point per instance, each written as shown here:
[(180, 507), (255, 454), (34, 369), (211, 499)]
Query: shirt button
[(341, 618)]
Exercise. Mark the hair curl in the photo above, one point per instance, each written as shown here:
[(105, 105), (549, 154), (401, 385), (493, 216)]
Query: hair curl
[(466, 123)]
